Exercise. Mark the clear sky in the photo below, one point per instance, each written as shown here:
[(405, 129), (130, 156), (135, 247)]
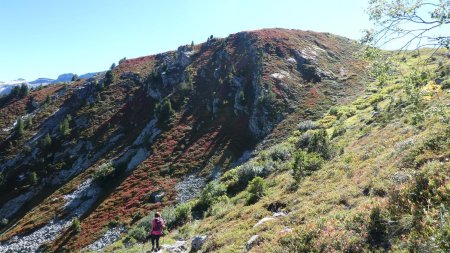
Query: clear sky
[(45, 38)]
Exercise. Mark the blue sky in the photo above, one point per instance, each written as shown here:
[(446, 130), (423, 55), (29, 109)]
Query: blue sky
[(49, 37)]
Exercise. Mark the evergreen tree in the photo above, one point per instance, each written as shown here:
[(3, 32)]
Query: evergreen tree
[(32, 178), (47, 100), (109, 77), (75, 78), (29, 122), (19, 127), (24, 91), (46, 141), (64, 127), (15, 91)]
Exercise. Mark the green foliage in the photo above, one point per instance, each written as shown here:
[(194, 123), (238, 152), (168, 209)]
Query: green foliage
[(377, 236), (300, 241), (305, 163), (20, 91), (445, 84), (138, 233), (109, 77), (3, 222), (309, 124), (420, 211), (48, 100), (164, 111), (24, 90), (257, 189), (247, 172), (19, 127), (29, 122), (75, 78), (210, 195), (317, 142), (103, 173), (418, 21), (76, 227), (182, 214), (338, 130), (64, 126), (32, 178), (46, 141), (122, 60)]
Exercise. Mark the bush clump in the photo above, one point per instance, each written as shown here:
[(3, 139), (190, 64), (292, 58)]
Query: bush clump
[(257, 189), (103, 173), (211, 195), (76, 227), (316, 141), (305, 163), (138, 233), (309, 125)]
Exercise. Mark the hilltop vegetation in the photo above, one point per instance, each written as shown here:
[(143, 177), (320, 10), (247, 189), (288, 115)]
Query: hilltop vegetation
[(372, 173)]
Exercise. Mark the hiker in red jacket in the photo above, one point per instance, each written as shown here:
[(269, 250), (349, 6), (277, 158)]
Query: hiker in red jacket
[(157, 230)]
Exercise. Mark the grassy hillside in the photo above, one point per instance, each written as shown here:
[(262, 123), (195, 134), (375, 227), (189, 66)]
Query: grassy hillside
[(369, 175)]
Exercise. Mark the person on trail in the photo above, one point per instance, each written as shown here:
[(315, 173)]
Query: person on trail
[(157, 231)]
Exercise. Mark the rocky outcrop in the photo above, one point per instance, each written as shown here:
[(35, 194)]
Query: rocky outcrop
[(197, 242)]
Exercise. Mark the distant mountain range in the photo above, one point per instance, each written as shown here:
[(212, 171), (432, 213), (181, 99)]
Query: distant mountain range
[(6, 87)]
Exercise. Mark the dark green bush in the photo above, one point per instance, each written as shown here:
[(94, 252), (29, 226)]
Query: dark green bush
[(138, 233), (305, 163), (164, 111), (257, 189), (377, 235), (109, 77), (319, 143), (210, 195), (182, 214), (20, 127), (76, 227), (103, 173), (3, 222)]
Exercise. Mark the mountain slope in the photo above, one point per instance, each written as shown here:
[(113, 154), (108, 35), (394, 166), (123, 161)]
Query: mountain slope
[(98, 148), (371, 175)]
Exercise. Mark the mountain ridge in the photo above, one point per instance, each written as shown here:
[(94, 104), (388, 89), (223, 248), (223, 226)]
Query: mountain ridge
[(161, 118)]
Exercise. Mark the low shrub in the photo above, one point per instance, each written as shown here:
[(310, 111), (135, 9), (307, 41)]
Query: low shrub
[(305, 163), (316, 141), (210, 195), (103, 173), (376, 229), (138, 233), (182, 214), (309, 124), (280, 153), (257, 189), (76, 227)]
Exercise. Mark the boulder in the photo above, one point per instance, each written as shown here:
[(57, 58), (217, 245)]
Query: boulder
[(157, 196), (252, 242), (263, 220), (198, 241), (178, 246)]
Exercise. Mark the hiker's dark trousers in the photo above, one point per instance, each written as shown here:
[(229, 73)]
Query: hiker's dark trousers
[(155, 239)]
